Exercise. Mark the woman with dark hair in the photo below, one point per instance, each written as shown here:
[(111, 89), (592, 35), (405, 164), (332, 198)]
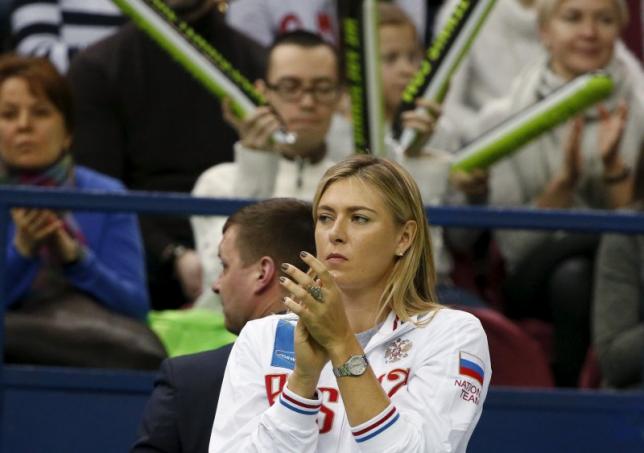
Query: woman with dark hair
[(52, 255)]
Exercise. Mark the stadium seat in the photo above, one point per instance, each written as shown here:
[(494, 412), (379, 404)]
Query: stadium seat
[(590, 376), (517, 359)]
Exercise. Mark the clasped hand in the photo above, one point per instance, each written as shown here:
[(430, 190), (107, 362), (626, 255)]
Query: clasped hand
[(323, 325), (38, 227)]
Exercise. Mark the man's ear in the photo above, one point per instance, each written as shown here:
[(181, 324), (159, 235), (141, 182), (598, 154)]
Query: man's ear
[(267, 273)]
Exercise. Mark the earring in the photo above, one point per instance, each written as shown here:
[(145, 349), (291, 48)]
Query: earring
[(400, 254)]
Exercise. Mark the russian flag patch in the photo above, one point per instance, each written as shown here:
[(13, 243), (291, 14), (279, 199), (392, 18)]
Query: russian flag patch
[(472, 366)]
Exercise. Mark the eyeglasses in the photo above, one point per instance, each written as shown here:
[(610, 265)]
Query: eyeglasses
[(292, 90)]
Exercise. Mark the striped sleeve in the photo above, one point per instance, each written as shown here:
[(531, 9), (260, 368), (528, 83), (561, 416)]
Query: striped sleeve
[(298, 405), (369, 434)]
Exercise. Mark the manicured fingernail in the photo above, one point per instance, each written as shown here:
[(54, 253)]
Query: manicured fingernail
[(303, 254), (284, 266), (282, 279)]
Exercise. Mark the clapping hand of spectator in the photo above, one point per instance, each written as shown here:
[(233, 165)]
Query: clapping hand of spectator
[(559, 191), (572, 158), (33, 228), (256, 130), (424, 121), (611, 129), (38, 227)]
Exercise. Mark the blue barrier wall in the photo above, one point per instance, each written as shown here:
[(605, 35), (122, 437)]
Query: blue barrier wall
[(46, 409), (71, 410)]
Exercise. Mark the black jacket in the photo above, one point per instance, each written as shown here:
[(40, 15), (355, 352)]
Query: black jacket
[(179, 414)]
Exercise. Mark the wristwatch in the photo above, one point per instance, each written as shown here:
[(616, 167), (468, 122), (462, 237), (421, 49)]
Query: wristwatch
[(356, 365)]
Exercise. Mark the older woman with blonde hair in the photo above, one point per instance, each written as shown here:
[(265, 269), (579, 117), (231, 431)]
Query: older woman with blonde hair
[(368, 360), (584, 165)]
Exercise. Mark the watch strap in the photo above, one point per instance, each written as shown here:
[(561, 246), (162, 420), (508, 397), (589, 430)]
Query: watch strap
[(345, 368)]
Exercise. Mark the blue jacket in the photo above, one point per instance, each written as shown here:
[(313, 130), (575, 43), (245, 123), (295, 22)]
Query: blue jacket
[(112, 269)]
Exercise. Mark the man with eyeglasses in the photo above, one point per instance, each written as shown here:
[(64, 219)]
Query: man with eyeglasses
[(301, 86)]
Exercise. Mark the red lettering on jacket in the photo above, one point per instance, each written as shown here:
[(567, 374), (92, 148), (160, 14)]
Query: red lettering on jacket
[(327, 415), (274, 385), (395, 379)]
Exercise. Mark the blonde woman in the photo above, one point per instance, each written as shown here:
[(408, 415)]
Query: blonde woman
[(367, 360)]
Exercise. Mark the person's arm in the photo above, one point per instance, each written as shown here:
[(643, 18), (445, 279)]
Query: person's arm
[(618, 333), (158, 431), (618, 178), (114, 271), (245, 420), (433, 420), (441, 404)]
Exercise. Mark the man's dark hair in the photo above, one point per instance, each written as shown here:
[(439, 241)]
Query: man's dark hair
[(278, 227), (301, 38)]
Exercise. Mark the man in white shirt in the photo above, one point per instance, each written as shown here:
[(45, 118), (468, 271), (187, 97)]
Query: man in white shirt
[(301, 86)]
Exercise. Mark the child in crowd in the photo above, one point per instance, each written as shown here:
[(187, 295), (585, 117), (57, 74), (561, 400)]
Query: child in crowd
[(428, 162)]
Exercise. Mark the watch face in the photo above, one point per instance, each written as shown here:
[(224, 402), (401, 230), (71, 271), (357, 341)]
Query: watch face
[(357, 365)]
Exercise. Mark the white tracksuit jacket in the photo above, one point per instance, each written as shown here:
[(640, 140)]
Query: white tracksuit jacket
[(436, 376)]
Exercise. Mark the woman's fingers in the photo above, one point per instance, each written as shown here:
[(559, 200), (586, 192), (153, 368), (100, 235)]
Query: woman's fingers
[(46, 230), (324, 278), (293, 306), (297, 290)]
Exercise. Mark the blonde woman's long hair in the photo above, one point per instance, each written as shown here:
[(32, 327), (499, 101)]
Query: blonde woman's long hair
[(410, 289)]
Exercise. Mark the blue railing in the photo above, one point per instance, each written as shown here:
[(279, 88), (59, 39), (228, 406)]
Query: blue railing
[(182, 204)]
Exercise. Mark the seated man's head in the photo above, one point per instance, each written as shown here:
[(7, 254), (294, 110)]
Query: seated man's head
[(302, 85), (256, 240)]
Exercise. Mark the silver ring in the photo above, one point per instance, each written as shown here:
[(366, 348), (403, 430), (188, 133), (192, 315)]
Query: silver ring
[(316, 293)]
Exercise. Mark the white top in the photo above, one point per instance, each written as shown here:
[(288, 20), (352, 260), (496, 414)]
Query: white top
[(436, 376), (263, 20)]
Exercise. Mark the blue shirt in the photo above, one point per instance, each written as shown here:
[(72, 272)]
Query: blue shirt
[(112, 269)]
